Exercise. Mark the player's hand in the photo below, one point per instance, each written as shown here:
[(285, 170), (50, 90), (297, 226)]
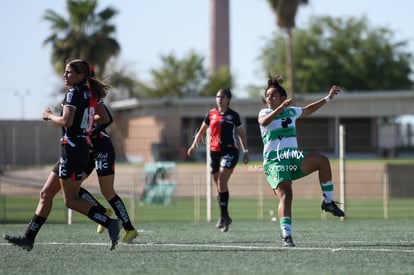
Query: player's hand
[(46, 114), (286, 102), (334, 91), (246, 157), (190, 151)]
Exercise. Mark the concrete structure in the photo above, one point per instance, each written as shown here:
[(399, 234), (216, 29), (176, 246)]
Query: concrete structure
[(219, 35), (28, 142), (162, 129)]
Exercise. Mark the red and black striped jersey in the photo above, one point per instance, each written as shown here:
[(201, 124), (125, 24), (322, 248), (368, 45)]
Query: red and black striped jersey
[(222, 129)]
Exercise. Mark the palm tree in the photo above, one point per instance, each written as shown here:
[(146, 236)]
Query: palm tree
[(285, 11), (85, 34)]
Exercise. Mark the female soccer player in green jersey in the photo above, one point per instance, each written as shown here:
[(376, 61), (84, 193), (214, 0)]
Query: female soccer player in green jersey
[(283, 161)]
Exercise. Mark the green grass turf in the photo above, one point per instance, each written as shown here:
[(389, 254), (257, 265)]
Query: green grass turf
[(20, 210), (332, 246)]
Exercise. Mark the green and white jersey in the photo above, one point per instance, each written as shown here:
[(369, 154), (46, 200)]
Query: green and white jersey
[(279, 136)]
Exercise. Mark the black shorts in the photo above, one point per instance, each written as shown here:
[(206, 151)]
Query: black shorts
[(227, 159), (74, 156), (102, 157)]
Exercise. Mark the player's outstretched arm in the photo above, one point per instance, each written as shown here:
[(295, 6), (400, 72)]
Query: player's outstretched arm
[(314, 106)]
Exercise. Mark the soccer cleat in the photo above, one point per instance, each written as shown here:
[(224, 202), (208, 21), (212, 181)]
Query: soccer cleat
[(332, 208), (101, 228), (129, 236), (113, 230), (21, 241), (225, 224), (220, 223), (288, 241)]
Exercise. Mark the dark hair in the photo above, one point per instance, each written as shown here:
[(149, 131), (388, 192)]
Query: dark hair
[(80, 66), (276, 83), (226, 92), (97, 87)]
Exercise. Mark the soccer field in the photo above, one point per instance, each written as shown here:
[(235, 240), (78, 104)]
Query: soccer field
[(331, 246)]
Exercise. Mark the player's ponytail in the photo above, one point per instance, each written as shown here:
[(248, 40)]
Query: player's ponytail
[(276, 83)]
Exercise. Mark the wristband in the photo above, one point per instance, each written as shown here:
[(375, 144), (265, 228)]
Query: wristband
[(327, 99), (245, 151)]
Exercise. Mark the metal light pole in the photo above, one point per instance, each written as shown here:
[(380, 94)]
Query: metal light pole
[(22, 97)]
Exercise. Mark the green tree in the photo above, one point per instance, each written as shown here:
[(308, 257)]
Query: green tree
[(220, 79), (347, 52), (86, 34), (285, 12), (183, 77), (124, 81)]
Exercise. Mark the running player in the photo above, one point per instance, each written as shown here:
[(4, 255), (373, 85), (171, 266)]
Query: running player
[(76, 121), (102, 159)]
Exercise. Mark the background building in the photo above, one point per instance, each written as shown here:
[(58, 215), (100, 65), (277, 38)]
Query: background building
[(163, 129)]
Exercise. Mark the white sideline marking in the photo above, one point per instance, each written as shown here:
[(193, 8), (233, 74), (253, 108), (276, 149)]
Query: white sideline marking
[(240, 247), (243, 247)]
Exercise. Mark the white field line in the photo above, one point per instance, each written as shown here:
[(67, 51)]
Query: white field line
[(237, 247)]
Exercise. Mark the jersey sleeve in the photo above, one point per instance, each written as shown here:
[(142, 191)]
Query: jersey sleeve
[(264, 112), (237, 121), (206, 119), (298, 111), (111, 119), (71, 99)]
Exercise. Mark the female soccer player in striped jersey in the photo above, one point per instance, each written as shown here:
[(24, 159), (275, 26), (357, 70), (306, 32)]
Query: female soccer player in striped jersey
[(224, 126), (283, 161)]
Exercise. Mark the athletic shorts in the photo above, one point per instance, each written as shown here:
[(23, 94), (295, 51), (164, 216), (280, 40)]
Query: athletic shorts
[(288, 169), (74, 156), (226, 159), (102, 157)]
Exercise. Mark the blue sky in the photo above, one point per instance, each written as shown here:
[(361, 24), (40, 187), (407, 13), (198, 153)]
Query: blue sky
[(148, 29)]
